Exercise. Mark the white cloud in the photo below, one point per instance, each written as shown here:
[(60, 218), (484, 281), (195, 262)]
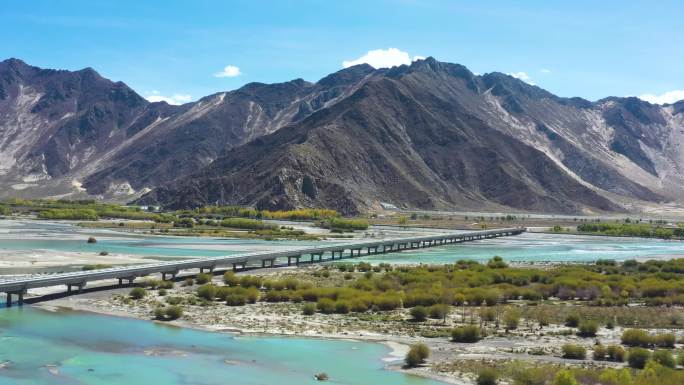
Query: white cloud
[(522, 76), (229, 71), (545, 71), (175, 99), (383, 58), (668, 97)]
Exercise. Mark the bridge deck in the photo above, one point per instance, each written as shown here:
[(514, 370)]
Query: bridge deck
[(79, 279)]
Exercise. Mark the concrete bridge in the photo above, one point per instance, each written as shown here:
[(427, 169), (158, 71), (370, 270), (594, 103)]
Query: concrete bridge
[(262, 259)]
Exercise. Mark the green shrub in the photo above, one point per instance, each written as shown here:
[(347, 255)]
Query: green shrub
[(666, 340), (168, 313), (680, 358), (616, 353), (417, 355), (636, 337), (207, 291), (487, 376), (326, 305), (572, 320), (203, 278), (236, 300), (419, 313), (137, 293), (600, 353), (574, 352), (162, 292), (637, 357), (342, 307), (173, 312), (438, 311), (230, 279), (664, 358), (360, 305), (564, 377), (467, 334), (511, 318), (173, 300), (309, 309), (247, 224), (587, 329)]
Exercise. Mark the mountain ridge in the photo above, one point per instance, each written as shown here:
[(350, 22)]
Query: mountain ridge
[(405, 130)]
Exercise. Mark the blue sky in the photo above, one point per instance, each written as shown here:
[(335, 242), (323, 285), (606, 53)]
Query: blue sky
[(590, 49)]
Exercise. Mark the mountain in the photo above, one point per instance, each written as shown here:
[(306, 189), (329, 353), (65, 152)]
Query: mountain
[(431, 135)]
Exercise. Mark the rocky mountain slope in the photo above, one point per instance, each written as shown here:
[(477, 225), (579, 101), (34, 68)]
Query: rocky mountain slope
[(431, 135)]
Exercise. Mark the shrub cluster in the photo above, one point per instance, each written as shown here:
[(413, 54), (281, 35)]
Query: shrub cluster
[(468, 334)]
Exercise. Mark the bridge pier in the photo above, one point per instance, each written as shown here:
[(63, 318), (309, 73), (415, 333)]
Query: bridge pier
[(332, 253), (271, 262), (242, 265), (296, 258), (316, 256), (388, 248), (351, 252), (374, 248), (79, 286), (129, 279), (171, 273), (20, 297), (209, 268)]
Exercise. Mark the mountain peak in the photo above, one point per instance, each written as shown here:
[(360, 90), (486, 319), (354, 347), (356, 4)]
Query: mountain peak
[(346, 76)]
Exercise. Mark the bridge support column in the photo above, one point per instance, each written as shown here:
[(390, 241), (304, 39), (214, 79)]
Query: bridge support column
[(271, 262), (387, 248), (239, 266), (295, 257), (374, 248), (9, 299), (21, 298), (78, 286), (171, 273), (209, 268)]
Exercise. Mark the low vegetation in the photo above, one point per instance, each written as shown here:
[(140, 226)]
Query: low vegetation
[(645, 230), (416, 355)]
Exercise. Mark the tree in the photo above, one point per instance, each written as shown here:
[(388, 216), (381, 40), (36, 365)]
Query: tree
[(565, 377), (417, 355)]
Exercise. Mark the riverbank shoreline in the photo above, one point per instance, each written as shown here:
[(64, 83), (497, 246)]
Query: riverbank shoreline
[(398, 347)]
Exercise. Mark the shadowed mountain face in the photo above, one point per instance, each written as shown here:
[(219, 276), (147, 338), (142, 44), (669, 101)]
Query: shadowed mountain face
[(431, 135)]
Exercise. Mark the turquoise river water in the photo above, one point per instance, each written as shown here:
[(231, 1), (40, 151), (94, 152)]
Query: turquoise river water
[(40, 347)]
